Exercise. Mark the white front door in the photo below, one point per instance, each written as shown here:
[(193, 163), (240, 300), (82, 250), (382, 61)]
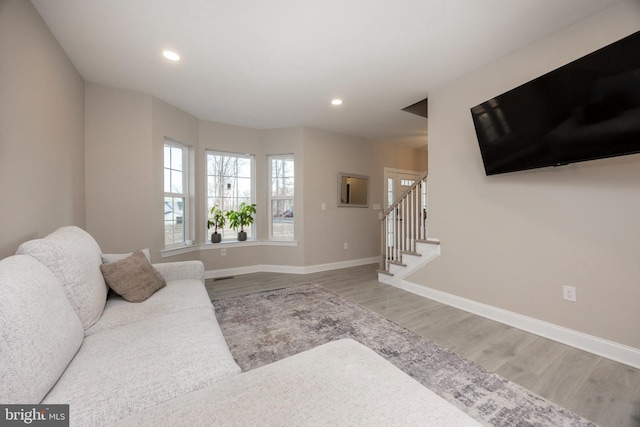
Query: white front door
[(396, 182)]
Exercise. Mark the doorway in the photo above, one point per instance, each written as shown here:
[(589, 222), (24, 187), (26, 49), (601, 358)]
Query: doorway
[(396, 182)]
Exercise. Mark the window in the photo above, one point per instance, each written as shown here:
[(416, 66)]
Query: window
[(229, 183), (175, 193), (281, 195)]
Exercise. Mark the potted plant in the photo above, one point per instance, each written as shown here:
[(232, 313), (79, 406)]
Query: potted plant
[(216, 220), (241, 218)]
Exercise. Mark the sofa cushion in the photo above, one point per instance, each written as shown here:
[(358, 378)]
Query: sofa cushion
[(133, 278), (39, 330), (138, 365), (74, 258), (176, 296), (342, 383)]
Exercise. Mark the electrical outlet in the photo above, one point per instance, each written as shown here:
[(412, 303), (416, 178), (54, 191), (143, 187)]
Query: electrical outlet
[(569, 293), (223, 251), (346, 246)]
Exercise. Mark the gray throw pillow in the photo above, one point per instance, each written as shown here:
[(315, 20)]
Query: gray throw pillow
[(133, 278)]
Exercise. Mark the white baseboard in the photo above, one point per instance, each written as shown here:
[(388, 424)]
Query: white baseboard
[(290, 269), (601, 347), (341, 264)]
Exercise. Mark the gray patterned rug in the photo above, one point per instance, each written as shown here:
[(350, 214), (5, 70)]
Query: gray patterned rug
[(267, 326)]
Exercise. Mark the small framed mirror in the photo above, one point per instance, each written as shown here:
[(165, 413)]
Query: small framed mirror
[(353, 190)]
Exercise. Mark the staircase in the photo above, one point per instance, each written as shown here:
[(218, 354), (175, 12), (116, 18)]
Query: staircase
[(405, 246)]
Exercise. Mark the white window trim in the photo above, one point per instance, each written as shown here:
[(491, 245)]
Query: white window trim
[(270, 196), (185, 187)]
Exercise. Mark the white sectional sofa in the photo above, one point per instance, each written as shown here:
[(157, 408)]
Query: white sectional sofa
[(106, 358), (164, 361)]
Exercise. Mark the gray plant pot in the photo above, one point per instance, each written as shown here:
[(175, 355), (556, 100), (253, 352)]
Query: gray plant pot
[(242, 236), (216, 238)]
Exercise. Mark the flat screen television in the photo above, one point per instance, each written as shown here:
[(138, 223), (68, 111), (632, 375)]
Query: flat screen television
[(588, 109)]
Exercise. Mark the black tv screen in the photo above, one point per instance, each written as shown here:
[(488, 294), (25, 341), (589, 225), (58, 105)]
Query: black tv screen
[(588, 109)]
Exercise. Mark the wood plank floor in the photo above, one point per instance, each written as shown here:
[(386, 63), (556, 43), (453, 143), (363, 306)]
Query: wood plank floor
[(599, 389)]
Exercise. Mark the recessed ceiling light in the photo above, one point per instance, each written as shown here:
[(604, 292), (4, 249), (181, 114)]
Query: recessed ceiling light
[(336, 102), (171, 56)]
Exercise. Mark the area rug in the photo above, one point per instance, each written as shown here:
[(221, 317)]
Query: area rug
[(264, 327)]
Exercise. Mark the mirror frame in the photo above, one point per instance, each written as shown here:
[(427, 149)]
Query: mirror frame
[(342, 197)]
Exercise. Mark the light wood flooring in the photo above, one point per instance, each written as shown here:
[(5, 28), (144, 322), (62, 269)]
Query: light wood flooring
[(599, 389)]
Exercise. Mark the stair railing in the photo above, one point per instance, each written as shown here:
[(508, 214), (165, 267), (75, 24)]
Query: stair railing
[(404, 223)]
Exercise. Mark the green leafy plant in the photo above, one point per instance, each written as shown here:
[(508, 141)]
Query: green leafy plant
[(243, 217), (217, 219)]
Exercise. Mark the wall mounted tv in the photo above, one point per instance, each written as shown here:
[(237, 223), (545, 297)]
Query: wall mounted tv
[(588, 109)]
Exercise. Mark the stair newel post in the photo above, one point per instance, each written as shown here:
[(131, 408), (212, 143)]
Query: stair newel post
[(382, 263), (410, 225), (396, 224), (421, 233), (420, 212), (405, 223), (414, 215), (399, 236), (425, 209), (417, 214), (409, 221), (407, 240)]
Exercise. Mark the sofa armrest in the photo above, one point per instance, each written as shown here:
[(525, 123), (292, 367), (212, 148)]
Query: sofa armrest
[(181, 270)]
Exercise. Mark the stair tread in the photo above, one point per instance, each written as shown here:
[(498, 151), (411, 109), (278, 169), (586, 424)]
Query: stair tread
[(385, 272), (414, 253), (428, 241), (397, 263)]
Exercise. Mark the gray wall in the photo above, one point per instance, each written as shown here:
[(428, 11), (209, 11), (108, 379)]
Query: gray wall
[(119, 168), (326, 231), (512, 241), (41, 130)]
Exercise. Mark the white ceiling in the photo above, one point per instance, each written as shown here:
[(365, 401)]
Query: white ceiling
[(278, 63)]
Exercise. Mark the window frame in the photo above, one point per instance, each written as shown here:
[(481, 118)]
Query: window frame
[(271, 197), (252, 231), (186, 210)]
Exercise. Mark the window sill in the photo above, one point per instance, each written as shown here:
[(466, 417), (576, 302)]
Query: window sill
[(226, 244), (178, 250), (279, 243)]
